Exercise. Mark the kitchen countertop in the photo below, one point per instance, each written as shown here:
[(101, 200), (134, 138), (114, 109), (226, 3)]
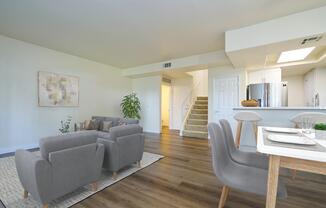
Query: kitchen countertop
[(279, 108)]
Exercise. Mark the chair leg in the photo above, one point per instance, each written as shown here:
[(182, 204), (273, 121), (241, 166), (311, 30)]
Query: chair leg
[(114, 175), (238, 136), (94, 186), (138, 164), (254, 126), (294, 174), (224, 196), (25, 194)]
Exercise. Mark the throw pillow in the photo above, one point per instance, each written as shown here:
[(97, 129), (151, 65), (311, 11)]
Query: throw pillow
[(122, 122), (106, 125), (92, 124), (95, 124), (87, 125)]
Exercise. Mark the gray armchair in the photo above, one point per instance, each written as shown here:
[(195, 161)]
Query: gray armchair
[(67, 162), (123, 146)]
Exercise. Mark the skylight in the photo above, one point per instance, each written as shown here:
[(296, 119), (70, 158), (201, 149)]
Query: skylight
[(295, 55)]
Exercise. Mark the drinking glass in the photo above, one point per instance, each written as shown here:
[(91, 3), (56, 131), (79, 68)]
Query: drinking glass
[(307, 125)]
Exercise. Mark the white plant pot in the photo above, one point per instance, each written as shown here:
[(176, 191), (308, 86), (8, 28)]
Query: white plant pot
[(320, 134)]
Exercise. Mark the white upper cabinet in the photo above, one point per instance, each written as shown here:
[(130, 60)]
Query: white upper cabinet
[(315, 87), (265, 76)]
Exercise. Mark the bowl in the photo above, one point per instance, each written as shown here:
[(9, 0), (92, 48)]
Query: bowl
[(249, 103)]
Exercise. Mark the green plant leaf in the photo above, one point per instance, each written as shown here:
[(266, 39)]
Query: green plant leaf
[(131, 106)]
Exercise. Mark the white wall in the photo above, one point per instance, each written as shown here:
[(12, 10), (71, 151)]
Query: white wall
[(200, 82), (295, 90), (181, 88), (265, 76), (22, 122), (148, 90)]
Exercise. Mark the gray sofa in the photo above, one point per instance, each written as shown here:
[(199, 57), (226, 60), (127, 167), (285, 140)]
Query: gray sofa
[(67, 162), (124, 144)]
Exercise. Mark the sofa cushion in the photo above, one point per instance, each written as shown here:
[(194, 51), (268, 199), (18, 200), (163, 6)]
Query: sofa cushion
[(65, 141)]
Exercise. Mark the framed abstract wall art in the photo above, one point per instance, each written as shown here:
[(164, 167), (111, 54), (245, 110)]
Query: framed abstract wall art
[(57, 90)]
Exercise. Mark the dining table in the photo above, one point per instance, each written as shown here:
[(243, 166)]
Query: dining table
[(299, 157)]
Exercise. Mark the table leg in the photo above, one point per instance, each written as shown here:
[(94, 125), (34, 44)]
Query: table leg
[(273, 172)]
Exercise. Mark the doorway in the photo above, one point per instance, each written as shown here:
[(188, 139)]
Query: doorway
[(165, 106)]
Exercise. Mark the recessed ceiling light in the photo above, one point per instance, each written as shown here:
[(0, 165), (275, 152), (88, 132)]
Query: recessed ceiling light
[(294, 55)]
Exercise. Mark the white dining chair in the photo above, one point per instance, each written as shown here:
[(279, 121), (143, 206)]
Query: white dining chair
[(315, 117), (246, 116)]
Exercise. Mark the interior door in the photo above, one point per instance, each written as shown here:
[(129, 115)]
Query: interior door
[(226, 97)]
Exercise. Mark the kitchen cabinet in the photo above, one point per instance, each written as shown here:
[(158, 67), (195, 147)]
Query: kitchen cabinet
[(315, 87)]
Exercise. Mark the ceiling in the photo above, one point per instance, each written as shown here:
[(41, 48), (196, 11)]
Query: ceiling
[(127, 33)]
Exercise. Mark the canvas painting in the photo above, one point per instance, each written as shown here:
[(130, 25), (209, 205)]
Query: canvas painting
[(58, 90)]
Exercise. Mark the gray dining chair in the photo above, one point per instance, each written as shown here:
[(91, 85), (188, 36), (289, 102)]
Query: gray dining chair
[(245, 158), (234, 175)]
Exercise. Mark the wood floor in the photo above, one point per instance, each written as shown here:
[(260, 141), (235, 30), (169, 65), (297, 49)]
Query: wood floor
[(184, 178)]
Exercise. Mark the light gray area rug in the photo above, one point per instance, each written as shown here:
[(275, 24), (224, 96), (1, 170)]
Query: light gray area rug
[(11, 191)]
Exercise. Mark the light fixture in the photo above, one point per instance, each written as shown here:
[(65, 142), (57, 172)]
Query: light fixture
[(295, 55)]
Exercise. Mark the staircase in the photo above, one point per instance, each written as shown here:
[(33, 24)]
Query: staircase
[(196, 125)]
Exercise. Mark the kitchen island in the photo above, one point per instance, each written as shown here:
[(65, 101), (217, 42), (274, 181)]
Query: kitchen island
[(272, 116)]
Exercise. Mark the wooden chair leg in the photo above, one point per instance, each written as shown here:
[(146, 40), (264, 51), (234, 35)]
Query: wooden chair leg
[(25, 194), (94, 186), (114, 175), (294, 174), (45, 205), (254, 126), (224, 196), (238, 135)]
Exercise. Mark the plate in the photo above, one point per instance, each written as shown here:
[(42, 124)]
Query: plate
[(291, 139), (282, 130)]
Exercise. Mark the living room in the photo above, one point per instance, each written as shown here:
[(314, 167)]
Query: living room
[(90, 74)]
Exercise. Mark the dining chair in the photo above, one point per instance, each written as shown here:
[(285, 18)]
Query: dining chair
[(234, 175), (246, 116), (246, 158), (315, 117)]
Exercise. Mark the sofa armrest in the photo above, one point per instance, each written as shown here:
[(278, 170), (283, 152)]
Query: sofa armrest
[(111, 154), (35, 175)]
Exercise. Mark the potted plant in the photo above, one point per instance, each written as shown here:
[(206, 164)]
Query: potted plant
[(320, 129), (131, 106), (65, 125)]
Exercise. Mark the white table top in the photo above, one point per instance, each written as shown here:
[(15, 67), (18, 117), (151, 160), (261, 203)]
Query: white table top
[(290, 152)]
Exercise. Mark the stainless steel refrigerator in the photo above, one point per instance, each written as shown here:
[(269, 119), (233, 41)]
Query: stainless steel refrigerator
[(269, 94)]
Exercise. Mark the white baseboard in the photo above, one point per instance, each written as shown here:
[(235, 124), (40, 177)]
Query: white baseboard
[(13, 149)]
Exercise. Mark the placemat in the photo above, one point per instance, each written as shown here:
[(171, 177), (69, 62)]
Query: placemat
[(317, 147)]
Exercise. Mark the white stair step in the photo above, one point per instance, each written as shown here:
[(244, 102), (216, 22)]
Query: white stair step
[(195, 134), (196, 122), (202, 128)]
